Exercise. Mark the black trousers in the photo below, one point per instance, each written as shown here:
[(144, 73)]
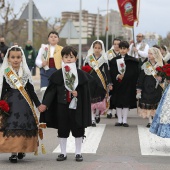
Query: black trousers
[(67, 123)]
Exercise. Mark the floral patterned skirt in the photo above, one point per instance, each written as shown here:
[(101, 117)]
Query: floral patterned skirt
[(161, 121), (18, 131)]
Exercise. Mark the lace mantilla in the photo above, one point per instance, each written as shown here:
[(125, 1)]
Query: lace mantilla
[(23, 80), (19, 133), (165, 112)]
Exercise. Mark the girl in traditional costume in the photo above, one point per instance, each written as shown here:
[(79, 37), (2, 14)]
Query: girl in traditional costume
[(18, 125), (149, 86), (49, 59), (97, 60), (67, 100)]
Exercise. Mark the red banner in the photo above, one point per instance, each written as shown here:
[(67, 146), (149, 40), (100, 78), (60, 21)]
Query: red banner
[(128, 11)]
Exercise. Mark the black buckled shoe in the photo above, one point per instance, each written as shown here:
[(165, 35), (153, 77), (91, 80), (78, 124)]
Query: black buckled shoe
[(61, 157), (125, 125), (93, 124), (148, 125), (13, 159), (109, 116), (118, 124), (97, 119), (21, 155), (79, 158), (115, 115)]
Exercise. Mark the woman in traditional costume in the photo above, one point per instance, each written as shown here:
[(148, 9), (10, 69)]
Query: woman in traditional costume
[(18, 122)]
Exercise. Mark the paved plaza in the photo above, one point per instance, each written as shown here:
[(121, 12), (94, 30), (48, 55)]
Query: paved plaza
[(105, 147)]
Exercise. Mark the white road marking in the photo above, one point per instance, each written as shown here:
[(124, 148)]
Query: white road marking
[(90, 143), (151, 144)]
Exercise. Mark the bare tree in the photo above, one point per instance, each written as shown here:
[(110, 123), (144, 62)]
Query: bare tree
[(2, 3), (8, 17)]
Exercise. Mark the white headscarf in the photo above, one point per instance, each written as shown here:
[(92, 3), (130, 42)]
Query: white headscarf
[(91, 51), (23, 70), (157, 56)]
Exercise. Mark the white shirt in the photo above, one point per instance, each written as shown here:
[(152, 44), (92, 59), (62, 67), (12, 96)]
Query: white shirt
[(143, 54), (38, 60), (167, 57)]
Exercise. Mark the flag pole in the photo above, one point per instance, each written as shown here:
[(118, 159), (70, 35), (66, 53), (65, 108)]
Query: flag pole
[(133, 33)]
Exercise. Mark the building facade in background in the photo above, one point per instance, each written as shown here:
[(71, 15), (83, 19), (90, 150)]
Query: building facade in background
[(115, 27), (89, 22)]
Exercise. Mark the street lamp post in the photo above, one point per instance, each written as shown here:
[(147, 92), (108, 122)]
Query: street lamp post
[(30, 16), (80, 31), (98, 23), (98, 26)]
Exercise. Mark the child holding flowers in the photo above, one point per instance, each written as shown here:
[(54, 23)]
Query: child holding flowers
[(49, 59), (97, 60), (149, 86), (67, 100), (124, 74), (18, 120)]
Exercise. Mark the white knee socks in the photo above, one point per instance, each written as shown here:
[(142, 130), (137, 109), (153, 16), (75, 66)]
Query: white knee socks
[(122, 113), (109, 111), (93, 116), (78, 144), (63, 143), (125, 113), (119, 114), (150, 119), (97, 113)]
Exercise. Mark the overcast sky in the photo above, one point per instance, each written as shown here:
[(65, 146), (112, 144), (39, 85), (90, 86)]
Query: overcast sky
[(153, 17)]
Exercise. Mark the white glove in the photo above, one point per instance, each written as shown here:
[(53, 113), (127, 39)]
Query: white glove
[(138, 96)]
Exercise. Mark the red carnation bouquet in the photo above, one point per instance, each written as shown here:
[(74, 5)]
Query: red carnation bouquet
[(4, 108), (164, 71), (87, 68)]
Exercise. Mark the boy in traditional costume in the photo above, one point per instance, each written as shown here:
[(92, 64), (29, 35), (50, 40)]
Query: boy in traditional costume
[(124, 74), (149, 86), (18, 120), (49, 59), (97, 61), (67, 100)]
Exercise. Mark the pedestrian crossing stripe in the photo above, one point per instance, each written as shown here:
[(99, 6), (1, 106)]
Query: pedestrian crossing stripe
[(152, 144), (90, 143)]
